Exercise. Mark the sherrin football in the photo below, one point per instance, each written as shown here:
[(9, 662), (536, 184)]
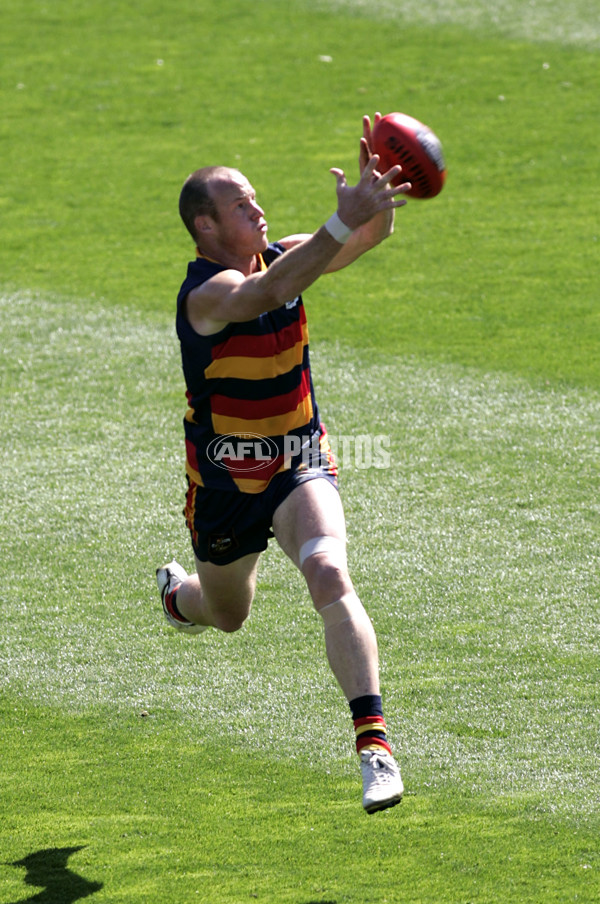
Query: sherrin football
[(398, 138)]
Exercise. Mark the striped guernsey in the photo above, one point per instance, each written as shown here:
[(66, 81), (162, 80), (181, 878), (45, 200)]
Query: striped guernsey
[(251, 403)]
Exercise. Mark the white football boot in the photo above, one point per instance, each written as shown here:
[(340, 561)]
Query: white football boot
[(382, 784), (168, 578)]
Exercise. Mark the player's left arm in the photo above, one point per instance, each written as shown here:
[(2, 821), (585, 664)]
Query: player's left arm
[(362, 239), (370, 234)]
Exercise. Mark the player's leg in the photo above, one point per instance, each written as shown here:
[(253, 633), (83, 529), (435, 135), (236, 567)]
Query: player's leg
[(314, 510), (310, 527), (218, 596), (228, 533)]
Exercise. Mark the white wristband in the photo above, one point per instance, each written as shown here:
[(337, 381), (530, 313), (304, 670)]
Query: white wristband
[(338, 230)]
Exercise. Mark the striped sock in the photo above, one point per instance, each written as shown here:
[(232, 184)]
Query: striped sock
[(369, 724), (171, 606)]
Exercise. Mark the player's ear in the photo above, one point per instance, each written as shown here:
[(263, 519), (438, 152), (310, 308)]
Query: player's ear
[(203, 224)]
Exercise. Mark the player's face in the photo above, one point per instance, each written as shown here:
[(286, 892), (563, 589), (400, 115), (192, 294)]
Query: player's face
[(241, 223)]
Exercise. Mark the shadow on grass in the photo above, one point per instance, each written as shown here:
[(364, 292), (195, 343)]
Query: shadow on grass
[(48, 868)]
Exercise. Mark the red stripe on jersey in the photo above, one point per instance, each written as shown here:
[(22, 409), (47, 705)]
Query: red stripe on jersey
[(262, 408), (256, 468), (263, 346)]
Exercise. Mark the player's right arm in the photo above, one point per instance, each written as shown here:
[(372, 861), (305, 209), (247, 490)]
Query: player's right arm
[(233, 297)]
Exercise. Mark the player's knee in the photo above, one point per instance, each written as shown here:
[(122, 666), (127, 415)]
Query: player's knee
[(326, 580), (229, 618), (228, 623), (324, 565)]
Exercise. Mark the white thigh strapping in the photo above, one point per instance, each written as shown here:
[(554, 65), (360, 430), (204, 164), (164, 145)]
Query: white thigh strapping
[(332, 545)]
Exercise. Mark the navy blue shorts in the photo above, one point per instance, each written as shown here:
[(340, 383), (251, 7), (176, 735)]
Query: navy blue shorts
[(225, 526)]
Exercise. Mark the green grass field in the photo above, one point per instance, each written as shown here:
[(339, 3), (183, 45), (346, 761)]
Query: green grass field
[(145, 768)]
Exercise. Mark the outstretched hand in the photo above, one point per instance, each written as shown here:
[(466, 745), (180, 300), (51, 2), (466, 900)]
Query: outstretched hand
[(373, 193)]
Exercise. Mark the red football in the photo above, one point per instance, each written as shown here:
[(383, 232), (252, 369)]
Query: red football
[(399, 138)]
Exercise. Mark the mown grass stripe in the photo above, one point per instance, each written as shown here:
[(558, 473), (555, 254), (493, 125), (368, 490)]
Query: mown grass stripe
[(476, 550), (562, 22)]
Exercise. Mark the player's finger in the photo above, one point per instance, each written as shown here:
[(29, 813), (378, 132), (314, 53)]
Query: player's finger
[(371, 167), (340, 176), (391, 174), (393, 193), (365, 151)]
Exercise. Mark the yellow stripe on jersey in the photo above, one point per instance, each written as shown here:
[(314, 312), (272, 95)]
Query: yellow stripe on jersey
[(277, 425), (193, 474), (254, 484), (247, 368)]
